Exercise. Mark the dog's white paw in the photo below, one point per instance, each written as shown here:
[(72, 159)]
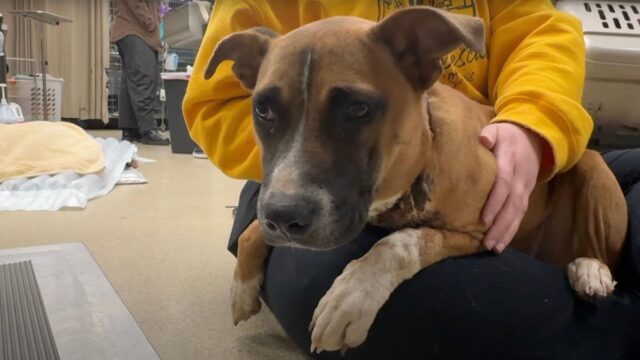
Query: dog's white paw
[(344, 315), (245, 299), (590, 278)]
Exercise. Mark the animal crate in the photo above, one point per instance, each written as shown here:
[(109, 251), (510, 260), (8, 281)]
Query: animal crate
[(612, 84)]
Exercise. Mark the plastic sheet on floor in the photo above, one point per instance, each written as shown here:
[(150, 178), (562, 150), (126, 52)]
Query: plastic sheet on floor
[(131, 176), (68, 189)]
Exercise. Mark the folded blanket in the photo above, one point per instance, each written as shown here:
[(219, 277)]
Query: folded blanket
[(42, 148), (68, 189)]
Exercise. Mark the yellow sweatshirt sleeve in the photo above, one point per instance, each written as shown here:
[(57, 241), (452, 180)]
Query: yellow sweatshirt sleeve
[(536, 77), (218, 111)]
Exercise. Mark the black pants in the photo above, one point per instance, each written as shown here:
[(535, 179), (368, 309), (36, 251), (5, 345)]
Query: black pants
[(485, 306), (140, 72)]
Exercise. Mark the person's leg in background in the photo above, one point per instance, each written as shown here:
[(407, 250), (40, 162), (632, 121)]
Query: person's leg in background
[(126, 117), (141, 66), (482, 306)]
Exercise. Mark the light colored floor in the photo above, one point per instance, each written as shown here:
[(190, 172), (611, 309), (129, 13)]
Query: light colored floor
[(163, 246)]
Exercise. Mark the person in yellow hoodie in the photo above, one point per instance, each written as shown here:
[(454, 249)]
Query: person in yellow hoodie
[(533, 75)]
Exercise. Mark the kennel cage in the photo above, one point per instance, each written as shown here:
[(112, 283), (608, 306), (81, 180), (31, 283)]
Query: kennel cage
[(612, 84)]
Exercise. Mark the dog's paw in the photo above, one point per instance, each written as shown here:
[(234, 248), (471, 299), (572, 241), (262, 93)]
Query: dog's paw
[(590, 278), (245, 299), (344, 315)]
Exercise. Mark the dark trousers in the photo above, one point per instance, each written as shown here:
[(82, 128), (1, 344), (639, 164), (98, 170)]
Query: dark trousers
[(484, 306), (140, 72)]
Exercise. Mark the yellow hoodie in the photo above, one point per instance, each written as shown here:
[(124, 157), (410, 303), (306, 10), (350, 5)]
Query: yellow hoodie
[(533, 73)]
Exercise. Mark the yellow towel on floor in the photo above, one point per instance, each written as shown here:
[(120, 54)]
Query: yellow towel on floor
[(45, 148)]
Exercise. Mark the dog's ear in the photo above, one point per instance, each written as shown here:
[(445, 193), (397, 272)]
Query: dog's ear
[(419, 37), (247, 50)]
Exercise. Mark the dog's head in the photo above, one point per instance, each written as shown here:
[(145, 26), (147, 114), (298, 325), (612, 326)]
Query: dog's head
[(335, 104)]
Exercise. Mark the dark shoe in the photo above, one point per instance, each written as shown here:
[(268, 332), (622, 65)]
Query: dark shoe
[(153, 137), (131, 135), (199, 154)]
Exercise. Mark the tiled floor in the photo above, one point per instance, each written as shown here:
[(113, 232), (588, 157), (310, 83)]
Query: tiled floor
[(163, 246)]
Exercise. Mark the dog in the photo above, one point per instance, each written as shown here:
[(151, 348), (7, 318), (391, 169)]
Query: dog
[(354, 128)]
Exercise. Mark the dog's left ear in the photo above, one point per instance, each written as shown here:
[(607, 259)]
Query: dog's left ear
[(419, 37), (246, 49)]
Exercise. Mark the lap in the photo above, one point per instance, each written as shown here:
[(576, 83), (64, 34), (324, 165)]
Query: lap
[(481, 306), (625, 165)]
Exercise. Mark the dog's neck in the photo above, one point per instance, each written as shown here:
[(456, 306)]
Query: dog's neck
[(406, 171), (448, 155)]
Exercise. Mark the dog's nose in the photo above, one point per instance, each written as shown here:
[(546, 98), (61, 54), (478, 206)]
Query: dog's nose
[(289, 214)]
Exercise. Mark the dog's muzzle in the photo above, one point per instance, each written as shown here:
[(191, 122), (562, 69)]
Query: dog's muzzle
[(289, 216)]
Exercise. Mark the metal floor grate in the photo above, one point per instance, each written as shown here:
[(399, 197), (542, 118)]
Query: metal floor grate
[(25, 333)]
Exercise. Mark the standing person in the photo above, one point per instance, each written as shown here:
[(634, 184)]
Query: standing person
[(136, 32)]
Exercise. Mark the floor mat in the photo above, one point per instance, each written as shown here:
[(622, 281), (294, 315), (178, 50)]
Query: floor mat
[(88, 319), (26, 333)]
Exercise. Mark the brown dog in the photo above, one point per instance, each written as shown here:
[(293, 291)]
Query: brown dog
[(339, 113)]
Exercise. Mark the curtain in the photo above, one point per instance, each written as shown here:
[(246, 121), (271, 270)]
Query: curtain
[(23, 32), (78, 52)]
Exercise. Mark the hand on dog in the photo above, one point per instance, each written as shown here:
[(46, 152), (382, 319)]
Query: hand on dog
[(517, 152)]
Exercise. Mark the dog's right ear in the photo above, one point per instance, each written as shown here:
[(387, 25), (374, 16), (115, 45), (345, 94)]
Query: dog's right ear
[(247, 50)]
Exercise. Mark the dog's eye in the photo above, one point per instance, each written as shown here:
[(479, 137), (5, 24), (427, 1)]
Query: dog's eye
[(359, 109), (263, 111)]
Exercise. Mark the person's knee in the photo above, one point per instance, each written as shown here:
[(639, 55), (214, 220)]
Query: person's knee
[(629, 269), (244, 214), (296, 279), (625, 165)]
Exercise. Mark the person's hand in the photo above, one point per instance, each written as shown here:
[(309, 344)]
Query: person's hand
[(517, 152)]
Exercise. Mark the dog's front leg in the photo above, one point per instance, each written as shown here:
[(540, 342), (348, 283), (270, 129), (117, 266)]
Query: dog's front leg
[(247, 277), (344, 315)]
